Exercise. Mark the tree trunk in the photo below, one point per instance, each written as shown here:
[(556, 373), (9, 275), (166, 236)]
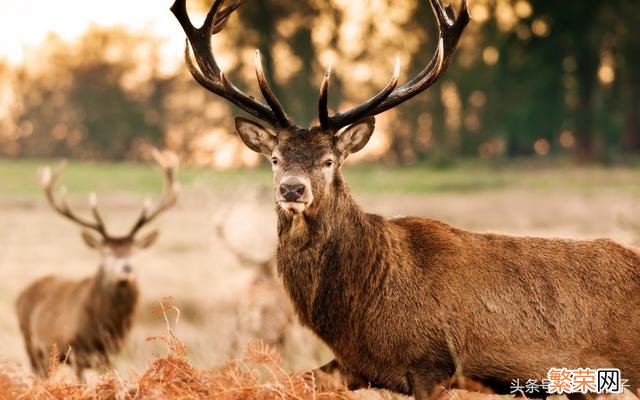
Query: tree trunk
[(631, 101), (587, 80)]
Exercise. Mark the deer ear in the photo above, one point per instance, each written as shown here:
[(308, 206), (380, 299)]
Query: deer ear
[(148, 240), (90, 240), (255, 136), (354, 137)]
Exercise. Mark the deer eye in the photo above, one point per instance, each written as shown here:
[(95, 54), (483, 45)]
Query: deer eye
[(274, 161), (328, 163)]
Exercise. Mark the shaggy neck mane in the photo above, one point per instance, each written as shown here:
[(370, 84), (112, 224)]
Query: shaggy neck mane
[(330, 258), (112, 306)]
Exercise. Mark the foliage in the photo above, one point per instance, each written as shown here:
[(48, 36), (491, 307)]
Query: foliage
[(92, 95)]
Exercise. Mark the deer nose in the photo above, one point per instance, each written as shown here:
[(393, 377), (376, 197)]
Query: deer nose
[(292, 192)]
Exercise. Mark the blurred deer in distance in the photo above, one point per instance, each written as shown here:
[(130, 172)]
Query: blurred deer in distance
[(92, 316)]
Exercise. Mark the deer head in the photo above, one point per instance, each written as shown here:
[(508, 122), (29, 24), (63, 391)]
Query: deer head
[(263, 267), (306, 161), (116, 251)]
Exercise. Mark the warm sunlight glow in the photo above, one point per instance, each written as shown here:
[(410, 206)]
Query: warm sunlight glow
[(540, 27), (606, 71), (479, 12), (490, 55), (505, 16), (477, 98), (567, 139), (25, 24), (492, 148), (523, 9), (541, 147)]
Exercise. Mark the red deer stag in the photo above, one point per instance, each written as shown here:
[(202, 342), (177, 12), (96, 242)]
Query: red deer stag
[(91, 316), (408, 303), (265, 311)]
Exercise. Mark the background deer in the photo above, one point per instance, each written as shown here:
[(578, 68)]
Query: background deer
[(91, 316), (265, 311), (408, 303)]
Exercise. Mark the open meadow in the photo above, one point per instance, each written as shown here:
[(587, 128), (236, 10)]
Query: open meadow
[(209, 284)]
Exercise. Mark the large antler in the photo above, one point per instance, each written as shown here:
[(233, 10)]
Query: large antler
[(244, 258), (169, 164), (209, 74), (48, 180), (263, 266), (450, 28)]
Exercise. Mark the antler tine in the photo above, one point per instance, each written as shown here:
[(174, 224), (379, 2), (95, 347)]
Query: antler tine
[(93, 204), (169, 164), (244, 258), (209, 21), (179, 10), (268, 94), (222, 17), (450, 28), (340, 120), (207, 72), (444, 14), (323, 101), (48, 180)]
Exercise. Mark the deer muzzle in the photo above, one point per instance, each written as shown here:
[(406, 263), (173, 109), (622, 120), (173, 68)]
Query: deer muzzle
[(294, 193)]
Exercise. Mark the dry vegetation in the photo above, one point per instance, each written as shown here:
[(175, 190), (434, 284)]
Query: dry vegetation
[(258, 374)]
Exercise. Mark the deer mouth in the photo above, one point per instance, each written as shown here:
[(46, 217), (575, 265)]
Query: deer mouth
[(126, 279), (296, 207)]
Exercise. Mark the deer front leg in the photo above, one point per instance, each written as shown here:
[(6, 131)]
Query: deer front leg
[(428, 384), (330, 367), (333, 370), (102, 363)]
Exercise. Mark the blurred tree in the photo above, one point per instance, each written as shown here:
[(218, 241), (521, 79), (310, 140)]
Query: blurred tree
[(7, 129), (97, 98), (628, 68), (576, 39)]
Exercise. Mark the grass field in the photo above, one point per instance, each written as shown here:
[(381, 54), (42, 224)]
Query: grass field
[(207, 282), (17, 178)]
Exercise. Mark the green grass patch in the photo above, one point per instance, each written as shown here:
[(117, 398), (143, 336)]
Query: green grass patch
[(19, 177)]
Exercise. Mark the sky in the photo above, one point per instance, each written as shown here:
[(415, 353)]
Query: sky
[(25, 23)]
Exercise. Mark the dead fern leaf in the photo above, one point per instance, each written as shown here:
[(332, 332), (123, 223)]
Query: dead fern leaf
[(54, 360), (261, 353)]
